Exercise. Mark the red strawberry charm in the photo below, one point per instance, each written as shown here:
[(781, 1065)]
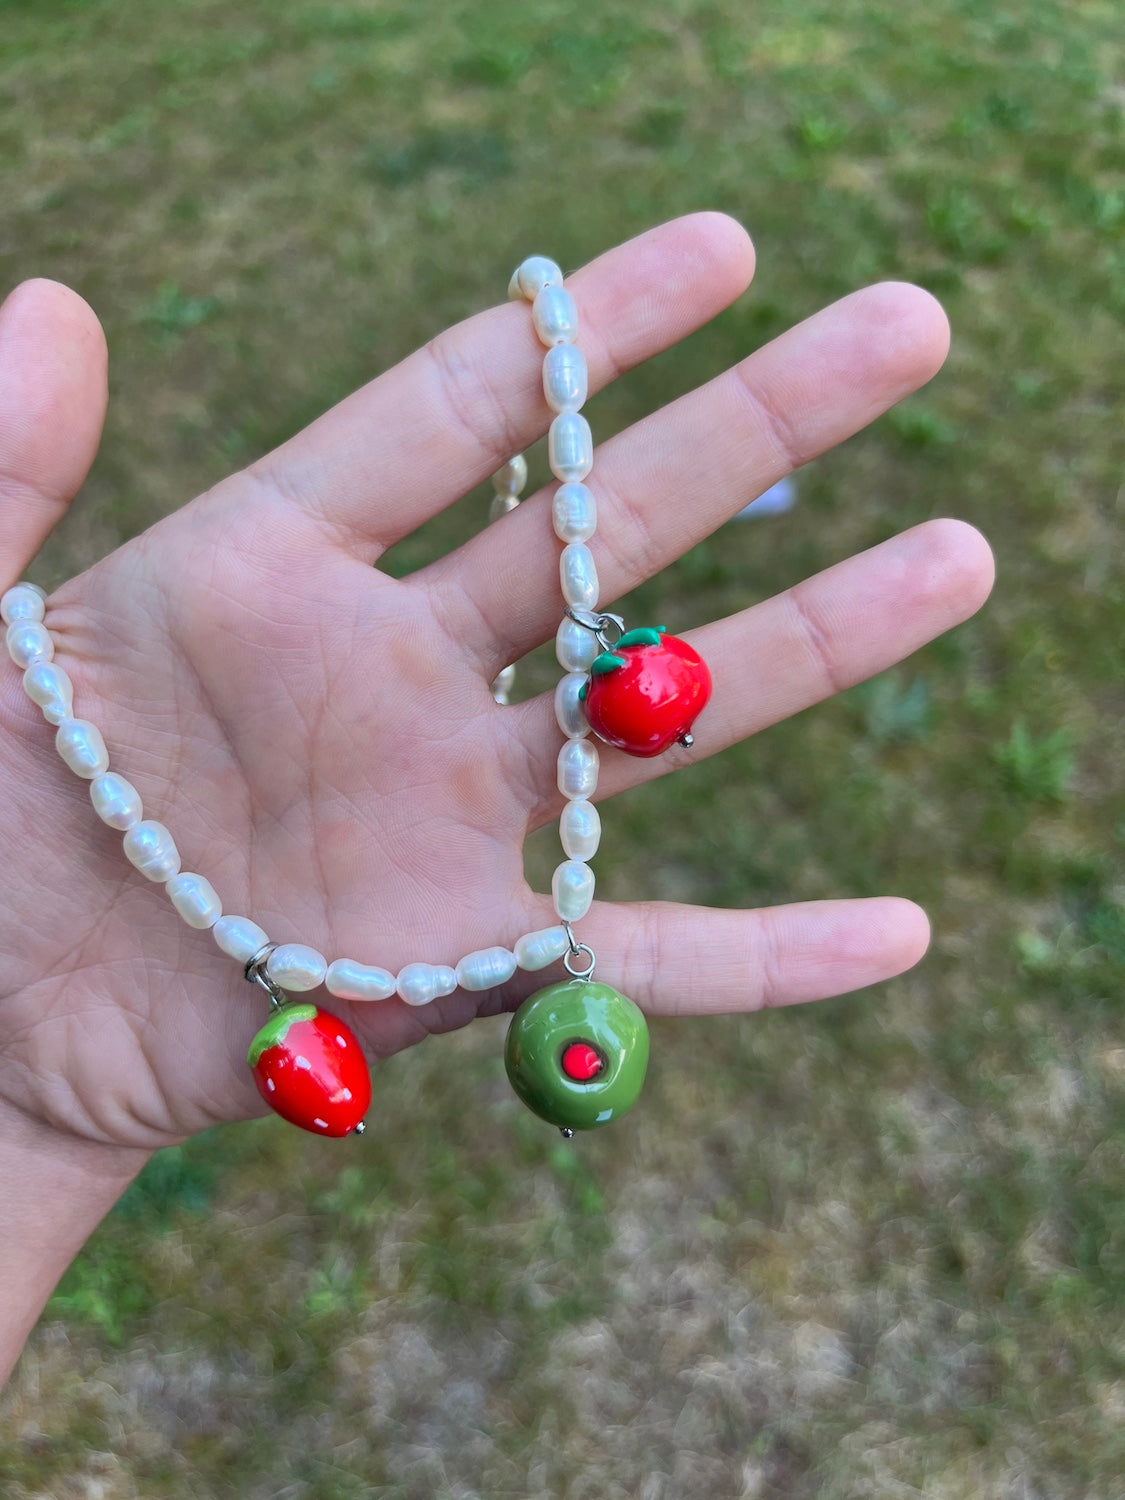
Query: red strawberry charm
[(647, 692), (310, 1068)]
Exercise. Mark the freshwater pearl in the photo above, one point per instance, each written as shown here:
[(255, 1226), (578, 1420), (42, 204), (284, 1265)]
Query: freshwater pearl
[(239, 938), (578, 574), (196, 900), (555, 316), (574, 512), (82, 748), (445, 980), (116, 801), (566, 381), (348, 980), (296, 966), (502, 684), (575, 646), (151, 848), (570, 446), (580, 829), (511, 477), (29, 642), (569, 710), (577, 772), (24, 601), (486, 968), (417, 984), (47, 685), (572, 887), (536, 272), (500, 505), (535, 950)]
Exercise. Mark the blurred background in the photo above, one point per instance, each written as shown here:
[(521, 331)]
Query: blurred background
[(874, 1247)]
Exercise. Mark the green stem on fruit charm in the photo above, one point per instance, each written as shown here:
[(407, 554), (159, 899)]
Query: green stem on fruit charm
[(275, 1030)]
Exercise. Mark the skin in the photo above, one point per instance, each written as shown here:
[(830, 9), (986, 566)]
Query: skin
[(321, 740)]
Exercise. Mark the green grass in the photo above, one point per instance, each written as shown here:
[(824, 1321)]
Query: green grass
[(875, 1247)]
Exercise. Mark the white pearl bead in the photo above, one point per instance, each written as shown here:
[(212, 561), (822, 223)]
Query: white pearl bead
[(578, 768), (445, 980), (536, 272), (81, 746), (351, 981), (502, 685), (46, 684), (535, 950), (566, 381), (239, 938), (555, 316), (578, 574), (24, 601), (417, 984), (296, 966), (150, 847), (29, 642), (570, 446), (116, 801), (500, 505), (574, 512), (569, 710), (572, 886), (486, 968), (196, 900), (511, 477), (575, 646), (580, 829)]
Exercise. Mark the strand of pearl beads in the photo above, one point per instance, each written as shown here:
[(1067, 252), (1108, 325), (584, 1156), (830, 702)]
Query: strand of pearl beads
[(570, 454), (149, 845)]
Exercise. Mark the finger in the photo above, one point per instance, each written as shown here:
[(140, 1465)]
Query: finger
[(417, 438), (671, 479), (693, 961), (789, 652), (52, 405), (687, 960)]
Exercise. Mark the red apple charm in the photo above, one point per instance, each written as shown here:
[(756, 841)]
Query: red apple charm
[(310, 1068), (647, 692)]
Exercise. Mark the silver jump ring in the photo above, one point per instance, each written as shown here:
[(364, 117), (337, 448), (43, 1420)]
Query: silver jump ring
[(599, 624), (255, 972), (576, 973)]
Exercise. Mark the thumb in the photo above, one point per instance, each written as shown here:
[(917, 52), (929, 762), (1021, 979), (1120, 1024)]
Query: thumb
[(52, 405)]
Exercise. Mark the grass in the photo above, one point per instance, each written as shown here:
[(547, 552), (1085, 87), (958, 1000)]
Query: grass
[(872, 1248)]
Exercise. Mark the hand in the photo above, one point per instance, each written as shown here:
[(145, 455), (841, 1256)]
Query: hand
[(321, 739)]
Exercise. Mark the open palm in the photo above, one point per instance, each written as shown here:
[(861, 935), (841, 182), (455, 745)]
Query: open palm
[(320, 738)]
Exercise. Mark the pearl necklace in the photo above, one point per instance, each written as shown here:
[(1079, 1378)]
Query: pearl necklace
[(591, 648)]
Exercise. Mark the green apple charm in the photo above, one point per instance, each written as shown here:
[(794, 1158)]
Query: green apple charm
[(576, 1054)]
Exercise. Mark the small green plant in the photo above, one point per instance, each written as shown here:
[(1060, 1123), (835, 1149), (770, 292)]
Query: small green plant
[(920, 426), (1035, 768), (498, 65), (177, 1178), (172, 313), (892, 712), (103, 1287), (820, 132)]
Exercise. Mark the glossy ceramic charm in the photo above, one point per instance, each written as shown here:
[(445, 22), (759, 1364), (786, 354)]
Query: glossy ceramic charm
[(647, 692), (576, 1054), (310, 1068)]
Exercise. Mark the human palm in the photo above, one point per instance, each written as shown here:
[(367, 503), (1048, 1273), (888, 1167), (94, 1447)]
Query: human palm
[(321, 739)]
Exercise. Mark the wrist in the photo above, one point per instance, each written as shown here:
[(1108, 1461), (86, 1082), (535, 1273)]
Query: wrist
[(54, 1191)]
